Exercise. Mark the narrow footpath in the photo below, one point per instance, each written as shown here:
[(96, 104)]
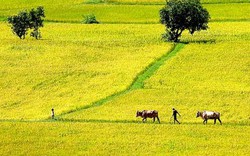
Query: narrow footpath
[(138, 82)]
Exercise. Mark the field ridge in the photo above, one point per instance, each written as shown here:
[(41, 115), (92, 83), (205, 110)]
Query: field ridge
[(138, 82), (154, 3)]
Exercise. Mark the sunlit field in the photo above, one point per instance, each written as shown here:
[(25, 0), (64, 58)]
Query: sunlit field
[(122, 139), (73, 65), (97, 76), (201, 76), (218, 32), (123, 13)]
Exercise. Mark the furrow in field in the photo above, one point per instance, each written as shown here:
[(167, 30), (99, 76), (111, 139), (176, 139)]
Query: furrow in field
[(138, 82)]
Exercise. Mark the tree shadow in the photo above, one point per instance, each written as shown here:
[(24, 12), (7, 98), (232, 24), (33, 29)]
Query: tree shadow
[(208, 41)]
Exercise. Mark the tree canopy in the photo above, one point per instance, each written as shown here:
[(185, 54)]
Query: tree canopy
[(178, 15), (24, 20)]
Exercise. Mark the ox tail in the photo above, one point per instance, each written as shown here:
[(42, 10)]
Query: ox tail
[(156, 115), (219, 118)]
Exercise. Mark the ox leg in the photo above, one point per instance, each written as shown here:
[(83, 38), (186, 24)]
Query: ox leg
[(144, 119), (153, 119), (204, 122), (214, 121), (220, 121), (158, 119)]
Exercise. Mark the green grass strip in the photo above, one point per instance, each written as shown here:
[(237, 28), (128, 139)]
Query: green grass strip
[(138, 82), (151, 69), (95, 104)]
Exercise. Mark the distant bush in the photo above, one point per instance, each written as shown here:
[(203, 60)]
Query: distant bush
[(94, 1), (24, 20), (90, 19)]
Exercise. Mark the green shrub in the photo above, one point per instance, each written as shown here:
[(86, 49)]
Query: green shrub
[(90, 19), (94, 1)]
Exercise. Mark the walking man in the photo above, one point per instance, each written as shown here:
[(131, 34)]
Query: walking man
[(175, 112), (52, 113)]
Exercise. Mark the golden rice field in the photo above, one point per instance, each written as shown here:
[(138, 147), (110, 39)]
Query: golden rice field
[(72, 66), (122, 139), (201, 76), (97, 76)]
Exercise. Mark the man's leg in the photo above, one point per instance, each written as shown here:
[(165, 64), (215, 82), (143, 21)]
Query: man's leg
[(178, 121)]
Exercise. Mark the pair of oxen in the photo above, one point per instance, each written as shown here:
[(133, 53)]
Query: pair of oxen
[(205, 115)]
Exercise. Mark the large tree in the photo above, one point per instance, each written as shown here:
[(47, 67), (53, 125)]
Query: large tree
[(25, 20), (178, 15), (36, 21), (20, 24)]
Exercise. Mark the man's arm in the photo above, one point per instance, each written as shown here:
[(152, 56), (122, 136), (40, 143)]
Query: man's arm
[(179, 114)]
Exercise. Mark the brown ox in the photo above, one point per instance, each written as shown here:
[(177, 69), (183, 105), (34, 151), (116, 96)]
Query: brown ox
[(205, 115), (148, 114)]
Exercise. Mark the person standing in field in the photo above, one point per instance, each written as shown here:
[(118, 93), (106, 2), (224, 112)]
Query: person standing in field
[(52, 113), (175, 112)]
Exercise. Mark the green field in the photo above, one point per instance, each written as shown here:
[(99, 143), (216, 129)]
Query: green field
[(97, 76), (63, 11)]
